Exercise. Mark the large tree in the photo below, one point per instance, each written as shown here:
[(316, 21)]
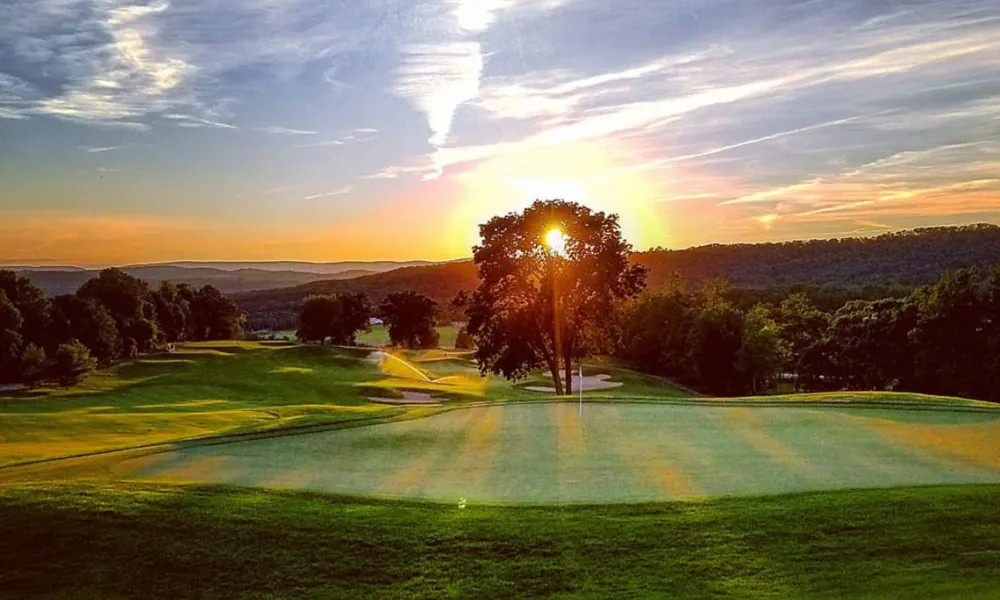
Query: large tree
[(10, 339), (410, 318), (216, 317), (549, 281), (87, 320), (126, 299), (31, 304), (337, 317), (173, 311)]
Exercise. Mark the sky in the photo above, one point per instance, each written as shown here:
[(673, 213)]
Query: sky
[(135, 131)]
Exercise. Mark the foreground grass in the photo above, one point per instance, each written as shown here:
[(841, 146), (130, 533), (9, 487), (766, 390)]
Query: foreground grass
[(159, 541)]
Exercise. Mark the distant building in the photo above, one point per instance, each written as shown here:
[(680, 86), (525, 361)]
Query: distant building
[(375, 321)]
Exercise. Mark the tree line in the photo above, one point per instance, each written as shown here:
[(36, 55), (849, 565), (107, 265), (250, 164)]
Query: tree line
[(409, 317), (942, 338), (831, 272), (111, 317), (543, 306)]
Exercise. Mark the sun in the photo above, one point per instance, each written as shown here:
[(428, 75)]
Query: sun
[(555, 239)]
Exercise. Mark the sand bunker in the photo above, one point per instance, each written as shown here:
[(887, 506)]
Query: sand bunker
[(410, 399), (590, 383)]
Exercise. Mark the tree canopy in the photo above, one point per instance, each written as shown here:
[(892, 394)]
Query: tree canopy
[(549, 279), (113, 316), (336, 317), (410, 318)]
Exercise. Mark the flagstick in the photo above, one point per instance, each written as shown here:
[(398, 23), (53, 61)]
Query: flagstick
[(581, 389)]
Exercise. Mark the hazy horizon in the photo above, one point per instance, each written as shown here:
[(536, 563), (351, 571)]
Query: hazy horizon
[(359, 264), (142, 131)]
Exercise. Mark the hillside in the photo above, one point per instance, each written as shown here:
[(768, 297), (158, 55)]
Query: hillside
[(55, 282), (899, 260), (328, 268), (904, 258), (278, 308)]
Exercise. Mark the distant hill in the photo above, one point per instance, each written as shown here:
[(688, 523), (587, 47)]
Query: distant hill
[(900, 260), (55, 282), (303, 267), (905, 258), (278, 308)]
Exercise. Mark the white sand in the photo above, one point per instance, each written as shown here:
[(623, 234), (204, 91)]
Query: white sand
[(590, 383)]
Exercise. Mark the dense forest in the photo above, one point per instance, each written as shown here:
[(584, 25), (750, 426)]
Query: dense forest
[(943, 338), (112, 316), (829, 273), (904, 258)]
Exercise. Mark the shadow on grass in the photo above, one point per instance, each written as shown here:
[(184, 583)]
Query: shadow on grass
[(216, 542)]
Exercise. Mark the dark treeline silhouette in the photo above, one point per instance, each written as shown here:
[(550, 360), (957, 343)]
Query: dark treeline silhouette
[(279, 308), (112, 316), (55, 281), (339, 318), (942, 338), (829, 272), (904, 258), (336, 318)]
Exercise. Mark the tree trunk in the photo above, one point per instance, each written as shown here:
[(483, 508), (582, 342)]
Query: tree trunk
[(554, 369), (568, 357)]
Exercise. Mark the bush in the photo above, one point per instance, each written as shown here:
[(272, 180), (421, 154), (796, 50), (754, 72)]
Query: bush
[(464, 340), (32, 364), (73, 362)]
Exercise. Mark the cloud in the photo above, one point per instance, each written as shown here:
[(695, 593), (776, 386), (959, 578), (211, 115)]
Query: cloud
[(285, 131), (193, 122), (96, 150), (436, 79), (358, 136), (105, 61), (337, 192)]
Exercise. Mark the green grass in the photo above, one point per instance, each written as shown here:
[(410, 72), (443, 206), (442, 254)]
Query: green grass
[(159, 541), (211, 388), (205, 388), (379, 336), (216, 388), (615, 452)]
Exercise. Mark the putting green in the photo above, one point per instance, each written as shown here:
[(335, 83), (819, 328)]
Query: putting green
[(542, 453)]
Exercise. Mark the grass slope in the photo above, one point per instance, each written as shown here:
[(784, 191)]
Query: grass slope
[(157, 541), (228, 387), (205, 388)]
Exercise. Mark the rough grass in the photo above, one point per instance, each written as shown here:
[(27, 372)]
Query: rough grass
[(159, 541), (205, 388)]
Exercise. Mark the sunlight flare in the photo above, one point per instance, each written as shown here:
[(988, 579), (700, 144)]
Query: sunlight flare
[(555, 241)]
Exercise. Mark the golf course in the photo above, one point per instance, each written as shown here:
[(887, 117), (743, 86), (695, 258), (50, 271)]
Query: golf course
[(406, 474)]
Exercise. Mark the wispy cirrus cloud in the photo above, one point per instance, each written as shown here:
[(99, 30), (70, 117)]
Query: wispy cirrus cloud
[(190, 121), (728, 119), (337, 192), (356, 137), (99, 149), (285, 131)]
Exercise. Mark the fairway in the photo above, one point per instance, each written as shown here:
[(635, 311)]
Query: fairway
[(618, 452)]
